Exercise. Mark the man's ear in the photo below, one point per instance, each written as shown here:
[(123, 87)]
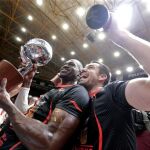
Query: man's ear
[(78, 77), (102, 77)]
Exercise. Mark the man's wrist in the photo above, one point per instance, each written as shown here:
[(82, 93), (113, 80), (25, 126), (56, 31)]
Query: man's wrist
[(119, 37), (27, 84), (14, 113), (7, 105)]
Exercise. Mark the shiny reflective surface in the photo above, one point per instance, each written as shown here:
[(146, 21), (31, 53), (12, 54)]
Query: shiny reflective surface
[(36, 51), (97, 16)]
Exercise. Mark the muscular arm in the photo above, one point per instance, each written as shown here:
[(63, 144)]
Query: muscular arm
[(36, 135), (22, 99), (137, 93), (138, 90), (138, 48)]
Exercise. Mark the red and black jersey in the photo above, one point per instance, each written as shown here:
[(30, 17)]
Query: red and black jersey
[(73, 99), (111, 123)]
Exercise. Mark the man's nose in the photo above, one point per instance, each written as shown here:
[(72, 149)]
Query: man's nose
[(65, 66)]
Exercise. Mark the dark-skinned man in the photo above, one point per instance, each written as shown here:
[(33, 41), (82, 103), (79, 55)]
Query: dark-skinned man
[(57, 117)]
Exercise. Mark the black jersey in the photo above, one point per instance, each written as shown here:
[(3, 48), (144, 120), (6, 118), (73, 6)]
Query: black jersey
[(111, 126), (73, 99), (110, 123)]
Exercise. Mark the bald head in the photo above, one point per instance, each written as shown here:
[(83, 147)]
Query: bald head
[(78, 63)]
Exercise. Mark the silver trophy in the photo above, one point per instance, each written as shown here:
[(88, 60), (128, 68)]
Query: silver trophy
[(98, 17), (35, 51)]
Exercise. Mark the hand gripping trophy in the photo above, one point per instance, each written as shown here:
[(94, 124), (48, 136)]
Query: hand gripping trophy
[(35, 51)]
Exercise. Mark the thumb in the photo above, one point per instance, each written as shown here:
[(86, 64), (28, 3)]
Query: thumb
[(3, 83)]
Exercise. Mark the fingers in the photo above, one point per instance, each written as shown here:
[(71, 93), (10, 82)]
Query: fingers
[(32, 70), (3, 83)]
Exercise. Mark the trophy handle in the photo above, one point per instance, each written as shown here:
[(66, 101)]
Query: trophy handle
[(24, 70), (14, 78)]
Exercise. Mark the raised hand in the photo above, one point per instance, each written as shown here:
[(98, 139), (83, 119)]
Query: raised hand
[(29, 76), (113, 30)]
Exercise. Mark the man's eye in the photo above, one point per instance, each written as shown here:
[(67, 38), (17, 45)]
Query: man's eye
[(90, 67), (71, 64)]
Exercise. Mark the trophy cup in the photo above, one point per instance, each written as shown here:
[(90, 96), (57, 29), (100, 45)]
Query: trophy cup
[(35, 51), (98, 17)]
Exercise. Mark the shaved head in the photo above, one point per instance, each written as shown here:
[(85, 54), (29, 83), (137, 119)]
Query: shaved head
[(78, 63)]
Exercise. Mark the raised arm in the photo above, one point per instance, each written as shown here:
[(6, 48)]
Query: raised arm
[(138, 90), (34, 134), (138, 48), (137, 93), (22, 99)]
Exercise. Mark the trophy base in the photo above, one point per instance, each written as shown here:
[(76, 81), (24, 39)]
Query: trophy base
[(14, 78), (98, 17)]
